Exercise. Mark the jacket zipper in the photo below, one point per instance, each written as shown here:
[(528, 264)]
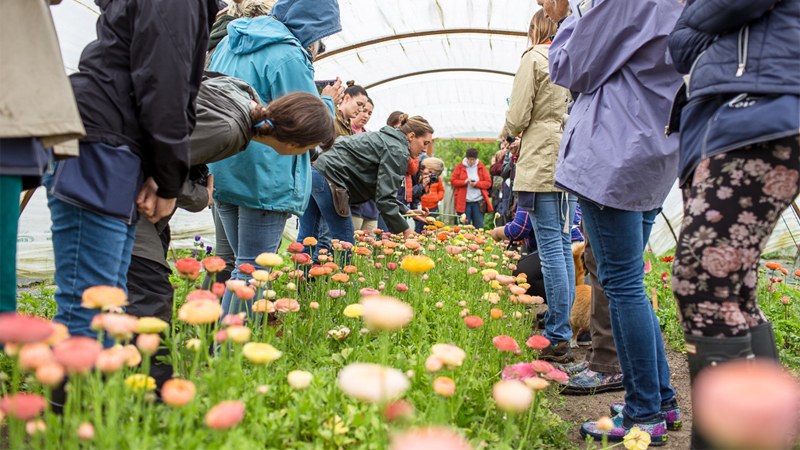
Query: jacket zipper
[(744, 42), (691, 72)]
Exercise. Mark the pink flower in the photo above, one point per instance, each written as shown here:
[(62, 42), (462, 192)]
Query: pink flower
[(23, 406), (232, 320), (520, 372), (557, 376), (295, 247), (537, 342), (665, 277), (23, 329), (540, 366), (203, 294), (286, 305), (336, 293), (720, 261), (31, 356), (505, 343), (77, 354), (225, 415), (781, 182), (301, 258), (399, 409), (647, 267), (473, 322), (430, 439), (401, 287), (391, 266), (366, 292), (504, 279)]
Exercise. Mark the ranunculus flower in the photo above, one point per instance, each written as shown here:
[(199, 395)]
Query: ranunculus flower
[(366, 292), (372, 383), (132, 356), (23, 329), (433, 364), (340, 278), (449, 354), (444, 386), (260, 353), (104, 297), (505, 343), (391, 266), (540, 366), (496, 313), (313, 305), (310, 241), (23, 406), (520, 372), (504, 279), (285, 305), (316, 271), (60, 332), (300, 258), (473, 322), (557, 376), (417, 264), (187, 268), (430, 439), (245, 293), (232, 285), (512, 396), (232, 319), (246, 268), (239, 333), (537, 384), (200, 312), (77, 354), (86, 431), (120, 326), (33, 355), (398, 409), (147, 343), (151, 325), (50, 374), (194, 344), (261, 275), (139, 382), (299, 379), (111, 360), (214, 264), (35, 427), (269, 260), (353, 311), (339, 333), (401, 287), (225, 415), (537, 342), (221, 336), (386, 313)]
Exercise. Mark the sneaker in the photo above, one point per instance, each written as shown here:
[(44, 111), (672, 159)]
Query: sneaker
[(670, 413), (657, 429), (591, 382), (584, 338), (557, 352), (573, 369)]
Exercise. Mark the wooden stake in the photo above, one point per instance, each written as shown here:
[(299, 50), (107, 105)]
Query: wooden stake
[(655, 299)]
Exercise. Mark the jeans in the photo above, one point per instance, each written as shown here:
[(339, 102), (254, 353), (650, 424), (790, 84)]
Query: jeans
[(474, 214), (551, 211), (250, 233), (321, 206), (323, 235), (10, 188), (419, 226), (89, 250), (618, 241)]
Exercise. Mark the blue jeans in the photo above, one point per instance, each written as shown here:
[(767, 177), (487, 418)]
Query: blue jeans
[(551, 210), (323, 235), (474, 214), (419, 226), (618, 241), (89, 250), (320, 205), (250, 233)]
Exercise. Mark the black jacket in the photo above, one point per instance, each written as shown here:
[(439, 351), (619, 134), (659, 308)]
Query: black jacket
[(138, 81)]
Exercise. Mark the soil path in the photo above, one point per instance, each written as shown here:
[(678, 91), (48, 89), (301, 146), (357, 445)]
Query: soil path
[(580, 409)]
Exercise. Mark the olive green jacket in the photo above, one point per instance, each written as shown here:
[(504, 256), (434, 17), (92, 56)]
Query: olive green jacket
[(371, 166)]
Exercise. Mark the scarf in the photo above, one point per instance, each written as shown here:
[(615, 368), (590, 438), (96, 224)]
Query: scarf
[(413, 167)]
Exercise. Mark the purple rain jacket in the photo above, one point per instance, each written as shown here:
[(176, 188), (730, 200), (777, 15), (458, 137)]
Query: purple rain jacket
[(614, 152)]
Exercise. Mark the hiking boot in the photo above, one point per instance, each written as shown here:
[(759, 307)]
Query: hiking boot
[(657, 429), (591, 382), (574, 369), (671, 414), (584, 339), (557, 352)]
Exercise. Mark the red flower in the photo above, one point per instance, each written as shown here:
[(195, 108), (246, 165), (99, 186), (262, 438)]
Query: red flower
[(301, 258), (214, 264), (295, 247), (665, 277), (473, 322), (187, 267), (247, 268), (667, 259), (505, 343), (537, 342)]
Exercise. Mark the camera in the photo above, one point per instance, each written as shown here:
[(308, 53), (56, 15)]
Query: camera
[(434, 178), (314, 153), (510, 139)]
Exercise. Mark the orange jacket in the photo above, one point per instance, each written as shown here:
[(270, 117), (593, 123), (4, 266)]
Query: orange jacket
[(432, 198), (458, 181)]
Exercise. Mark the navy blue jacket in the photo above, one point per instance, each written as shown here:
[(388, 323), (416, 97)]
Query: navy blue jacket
[(735, 46)]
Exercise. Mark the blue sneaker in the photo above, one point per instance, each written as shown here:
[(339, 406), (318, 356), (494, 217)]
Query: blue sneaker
[(657, 429), (671, 414), (590, 382)]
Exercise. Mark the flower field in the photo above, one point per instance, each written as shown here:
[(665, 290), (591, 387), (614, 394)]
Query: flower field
[(426, 343)]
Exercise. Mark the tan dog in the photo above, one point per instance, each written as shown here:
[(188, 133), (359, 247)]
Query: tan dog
[(582, 307)]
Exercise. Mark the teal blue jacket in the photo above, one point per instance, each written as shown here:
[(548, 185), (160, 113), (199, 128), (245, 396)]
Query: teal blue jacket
[(265, 53)]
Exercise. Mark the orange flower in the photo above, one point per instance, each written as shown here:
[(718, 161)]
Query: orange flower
[(201, 294), (537, 342), (104, 297), (200, 312), (147, 343), (505, 343), (31, 356), (496, 313), (442, 236), (50, 374), (187, 268), (225, 415), (773, 266), (287, 305), (473, 321), (412, 244), (177, 392), (295, 247), (331, 265), (785, 271), (316, 271), (309, 241), (111, 360), (214, 264), (444, 386), (362, 251), (350, 269), (340, 278)]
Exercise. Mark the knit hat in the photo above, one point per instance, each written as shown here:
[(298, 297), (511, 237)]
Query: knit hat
[(472, 152)]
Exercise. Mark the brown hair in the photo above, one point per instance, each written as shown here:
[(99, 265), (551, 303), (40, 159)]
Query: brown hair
[(298, 118), (417, 125), (394, 119), (541, 29), (435, 164)]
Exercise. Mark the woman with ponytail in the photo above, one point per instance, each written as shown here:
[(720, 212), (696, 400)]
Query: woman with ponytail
[(368, 166), (354, 101)]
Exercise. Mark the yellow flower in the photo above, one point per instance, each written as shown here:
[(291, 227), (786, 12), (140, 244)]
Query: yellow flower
[(104, 297), (151, 325), (260, 353), (353, 311), (269, 260), (337, 425), (417, 263), (139, 381), (261, 275), (636, 439)]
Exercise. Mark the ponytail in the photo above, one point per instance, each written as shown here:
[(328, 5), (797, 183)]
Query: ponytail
[(394, 119), (298, 118), (417, 125), (354, 90)]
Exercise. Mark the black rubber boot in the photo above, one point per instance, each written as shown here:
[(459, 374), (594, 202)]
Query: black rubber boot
[(706, 351), (762, 340)]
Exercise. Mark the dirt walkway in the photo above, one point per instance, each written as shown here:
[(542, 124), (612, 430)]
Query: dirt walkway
[(579, 409)]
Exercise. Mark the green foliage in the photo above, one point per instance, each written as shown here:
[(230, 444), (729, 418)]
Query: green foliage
[(453, 152)]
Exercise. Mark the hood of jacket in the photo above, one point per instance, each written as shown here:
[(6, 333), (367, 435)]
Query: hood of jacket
[(309, 20), (250, 35)]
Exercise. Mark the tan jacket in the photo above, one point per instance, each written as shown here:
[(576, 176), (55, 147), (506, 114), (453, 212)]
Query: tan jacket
[(535, 108), (343, 128), (36, 98)]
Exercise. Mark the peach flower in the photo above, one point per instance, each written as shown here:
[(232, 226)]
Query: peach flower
[(50, 374), (430, 439), (177, 392), (285, 305), (449, 354), (386, 313), (214, 264), (23, 406), (444, 386), (147, 343), (372, 383), (104, 297), (512, 396), (77, 354), (86, 431), (225, 415), (200, 312), (23, 329), (31, 356)]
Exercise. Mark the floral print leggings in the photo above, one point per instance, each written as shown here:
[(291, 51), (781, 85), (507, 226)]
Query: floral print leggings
[(731, 206)]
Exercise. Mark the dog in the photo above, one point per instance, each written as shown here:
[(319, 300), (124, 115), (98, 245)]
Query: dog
[(582, 307)]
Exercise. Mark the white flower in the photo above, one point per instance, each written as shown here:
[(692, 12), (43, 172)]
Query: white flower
[(372, 383)]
